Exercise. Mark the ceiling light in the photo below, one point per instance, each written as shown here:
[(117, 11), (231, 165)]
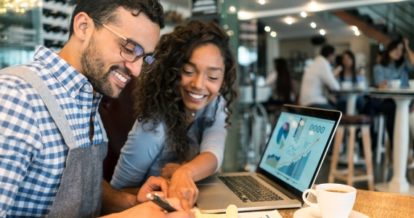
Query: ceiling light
[(357, 33), (232, 9), (289, 20), (18, 6), (313, 6), (313, 25), (322, 32), (245, 15), (303, 14), (261, 2), (267, 28), (230, 32), (354, 28), (273, 34)]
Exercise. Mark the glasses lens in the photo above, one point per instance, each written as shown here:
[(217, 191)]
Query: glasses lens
[(149, 59), (139, 51)]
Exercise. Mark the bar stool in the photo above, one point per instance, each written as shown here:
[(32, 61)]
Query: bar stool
[(352, 123)]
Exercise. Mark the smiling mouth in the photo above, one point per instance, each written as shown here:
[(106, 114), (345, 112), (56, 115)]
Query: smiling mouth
[(196, 96), (120, 78)]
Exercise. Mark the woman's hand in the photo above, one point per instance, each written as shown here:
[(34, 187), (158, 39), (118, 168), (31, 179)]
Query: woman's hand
[(406, 44), (168, 170), (383, 85), (183, 187), (153, 184)]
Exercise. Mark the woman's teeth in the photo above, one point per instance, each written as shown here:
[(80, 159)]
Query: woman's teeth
[(196, 96)]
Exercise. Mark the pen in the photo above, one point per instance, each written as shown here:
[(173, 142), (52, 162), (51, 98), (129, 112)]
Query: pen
[(161, 202)]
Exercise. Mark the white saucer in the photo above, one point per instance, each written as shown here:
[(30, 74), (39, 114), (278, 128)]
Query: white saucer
[(306, 212)]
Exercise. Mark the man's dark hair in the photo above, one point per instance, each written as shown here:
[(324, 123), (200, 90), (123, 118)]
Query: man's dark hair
[(327, 50), (102, 11)]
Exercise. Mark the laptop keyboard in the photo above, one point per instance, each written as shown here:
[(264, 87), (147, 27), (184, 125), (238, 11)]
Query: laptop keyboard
[(249, 189)]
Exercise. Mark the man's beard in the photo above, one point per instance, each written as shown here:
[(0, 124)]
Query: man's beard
[(93, 69)]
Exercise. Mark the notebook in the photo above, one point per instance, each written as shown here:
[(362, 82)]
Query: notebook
[(289, 164)]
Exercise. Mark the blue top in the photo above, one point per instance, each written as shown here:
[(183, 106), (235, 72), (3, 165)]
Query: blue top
[(32, 150), (392, 72), (145, 152), (348, 78)]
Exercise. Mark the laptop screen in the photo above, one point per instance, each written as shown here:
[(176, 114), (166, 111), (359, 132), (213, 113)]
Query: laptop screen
[(296, 147)]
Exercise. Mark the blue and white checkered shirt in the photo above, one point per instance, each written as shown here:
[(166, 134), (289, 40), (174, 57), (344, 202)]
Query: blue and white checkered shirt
[(32, 150)]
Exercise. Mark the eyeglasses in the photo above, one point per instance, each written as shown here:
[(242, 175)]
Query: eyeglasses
[(131, 51)]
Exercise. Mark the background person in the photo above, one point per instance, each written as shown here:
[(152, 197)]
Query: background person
[(347, 72), (183, 108), (317, 76), (51, 141), (284, 90), (396, 63)]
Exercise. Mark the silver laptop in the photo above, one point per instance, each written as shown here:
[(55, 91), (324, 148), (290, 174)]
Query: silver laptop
[(290, 164)]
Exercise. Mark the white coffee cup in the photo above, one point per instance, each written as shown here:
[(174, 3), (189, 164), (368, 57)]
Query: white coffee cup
[(395, 84), (346, 85), (333, 200), (411, 83), (361, 85)]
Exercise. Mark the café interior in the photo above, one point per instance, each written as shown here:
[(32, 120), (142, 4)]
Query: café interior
[(262, 33)]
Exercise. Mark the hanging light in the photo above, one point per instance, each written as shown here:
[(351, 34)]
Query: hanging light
[(18, 6)]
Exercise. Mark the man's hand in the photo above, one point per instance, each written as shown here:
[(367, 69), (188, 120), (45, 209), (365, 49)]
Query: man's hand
[(153, 184), (149, 209)]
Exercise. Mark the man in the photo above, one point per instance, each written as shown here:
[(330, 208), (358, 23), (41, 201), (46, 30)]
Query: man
[(51, 141), (317, 76)]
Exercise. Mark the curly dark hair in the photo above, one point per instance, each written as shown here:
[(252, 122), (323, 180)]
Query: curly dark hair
[(156, 96), (102, 11)]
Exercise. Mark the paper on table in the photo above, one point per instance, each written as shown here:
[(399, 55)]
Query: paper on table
[(231, 212), (261, 214)]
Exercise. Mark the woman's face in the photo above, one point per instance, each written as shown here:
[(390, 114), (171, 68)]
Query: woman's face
[(202, 77), (397, 52), (347, 61)]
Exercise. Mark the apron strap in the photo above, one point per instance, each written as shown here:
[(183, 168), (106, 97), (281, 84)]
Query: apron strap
[(50, 101)]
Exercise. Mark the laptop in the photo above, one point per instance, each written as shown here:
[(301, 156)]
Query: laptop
[(289, 164)]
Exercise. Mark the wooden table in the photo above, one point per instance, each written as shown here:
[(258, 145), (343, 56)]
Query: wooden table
[(377, 204)]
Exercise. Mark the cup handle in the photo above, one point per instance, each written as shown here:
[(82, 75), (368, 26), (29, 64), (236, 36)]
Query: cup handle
[(305, 197)]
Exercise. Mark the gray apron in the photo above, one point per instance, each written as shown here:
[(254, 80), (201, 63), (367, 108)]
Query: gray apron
[(79, 193)]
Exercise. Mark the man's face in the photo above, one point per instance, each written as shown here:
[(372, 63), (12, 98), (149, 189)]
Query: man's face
[(331, 58), (103, 61)]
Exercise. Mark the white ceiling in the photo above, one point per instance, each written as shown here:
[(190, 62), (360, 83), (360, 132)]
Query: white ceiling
[(273, 12)]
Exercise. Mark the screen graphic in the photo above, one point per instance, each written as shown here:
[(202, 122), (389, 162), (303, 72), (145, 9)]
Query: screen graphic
[(295, 148)]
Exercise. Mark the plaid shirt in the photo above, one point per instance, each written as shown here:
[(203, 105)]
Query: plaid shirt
[(32, 150)]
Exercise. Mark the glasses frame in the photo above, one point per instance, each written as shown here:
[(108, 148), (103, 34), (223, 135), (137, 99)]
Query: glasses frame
[(148, 58)]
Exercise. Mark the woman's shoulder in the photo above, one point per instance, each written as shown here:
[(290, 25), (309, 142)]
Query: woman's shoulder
[(151, 127)]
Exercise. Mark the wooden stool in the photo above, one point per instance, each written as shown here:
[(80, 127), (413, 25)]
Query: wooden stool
[(352, 123)]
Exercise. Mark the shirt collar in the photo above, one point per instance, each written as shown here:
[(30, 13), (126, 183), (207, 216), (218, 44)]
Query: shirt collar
[(69, 78)]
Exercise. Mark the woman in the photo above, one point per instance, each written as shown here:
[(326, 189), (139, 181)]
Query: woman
[(182, 104), (348, 73), (348, 70), (394, 65), (284, 85)]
